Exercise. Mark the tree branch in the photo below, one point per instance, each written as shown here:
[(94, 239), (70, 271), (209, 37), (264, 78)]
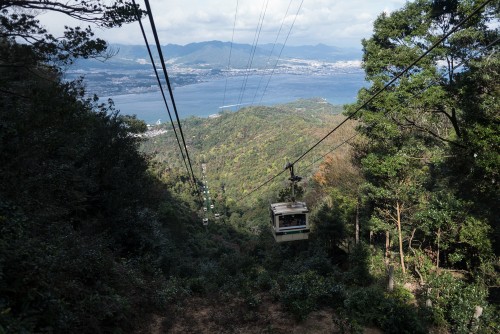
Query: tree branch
[(425, 130)]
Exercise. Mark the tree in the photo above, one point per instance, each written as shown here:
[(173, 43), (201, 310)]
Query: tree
[(424, 133), (18, 22), (424, 99), (333, 219), (78, 208)]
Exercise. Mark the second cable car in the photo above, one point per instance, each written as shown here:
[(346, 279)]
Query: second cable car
[(290, 220)]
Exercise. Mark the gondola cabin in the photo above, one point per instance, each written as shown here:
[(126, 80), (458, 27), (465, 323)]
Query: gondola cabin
[(205, 221), (290, 221)]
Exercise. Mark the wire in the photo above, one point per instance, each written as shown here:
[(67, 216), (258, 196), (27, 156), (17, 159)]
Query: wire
[(162, 60), (272, 50), (254, 48), (159, 83), (230, 52), (263, 184), (281, 51), (333, 149), (376, 93)]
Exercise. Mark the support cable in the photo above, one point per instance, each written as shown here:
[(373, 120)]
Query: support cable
[(281, 51), (272, 50), (333, 149), (162, 60), (254, 48), (137, 14), (230, 52)]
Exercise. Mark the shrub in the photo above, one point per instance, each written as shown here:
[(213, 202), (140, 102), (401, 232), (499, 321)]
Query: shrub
[(391, 312), (359, 272), (454, 301), (305, 292)]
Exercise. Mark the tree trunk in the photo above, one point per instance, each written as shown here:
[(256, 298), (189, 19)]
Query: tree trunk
[(390, 281), (401, 255), (387, 247), (438, 240), (357, 222)]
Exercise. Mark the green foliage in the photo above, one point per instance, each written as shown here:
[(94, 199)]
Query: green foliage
[(475, 243), (393, 312), (429, 140), (95, 236), (359, 266), (243, 148), (305, 292), (454, 302), (333, 219), (19, 21), (82, 246)]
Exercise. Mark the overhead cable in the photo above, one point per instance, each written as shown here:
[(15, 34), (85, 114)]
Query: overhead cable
[(272, 50), (333, 149), (281, 51), (162, 60), (253, 50), (138, 15), (230, 52)]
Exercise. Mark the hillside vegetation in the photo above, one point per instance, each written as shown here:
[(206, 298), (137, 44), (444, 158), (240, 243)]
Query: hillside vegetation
[(245, 148)]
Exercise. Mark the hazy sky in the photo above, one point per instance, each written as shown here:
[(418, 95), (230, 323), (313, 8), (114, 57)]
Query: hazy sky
[(332, 22)]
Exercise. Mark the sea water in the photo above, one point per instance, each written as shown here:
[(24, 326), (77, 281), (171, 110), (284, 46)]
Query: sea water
[(214, 95)]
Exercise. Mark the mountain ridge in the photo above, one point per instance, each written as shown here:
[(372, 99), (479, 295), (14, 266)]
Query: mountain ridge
[(215, 54)]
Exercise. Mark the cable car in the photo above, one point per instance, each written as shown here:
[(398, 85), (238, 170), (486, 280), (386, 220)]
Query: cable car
[(205, 221), (290, 220)]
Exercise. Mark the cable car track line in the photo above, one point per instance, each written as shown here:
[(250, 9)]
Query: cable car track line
[(272, 50), (281, 51), (159, 83), (333, 149), (162, 60), (254, 48), (230, 52)]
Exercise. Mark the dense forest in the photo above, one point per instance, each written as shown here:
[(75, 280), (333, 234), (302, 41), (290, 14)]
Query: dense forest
[(100, 227)]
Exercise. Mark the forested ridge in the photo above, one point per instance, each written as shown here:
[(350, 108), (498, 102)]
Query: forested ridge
[(242, 149), (100, 228)]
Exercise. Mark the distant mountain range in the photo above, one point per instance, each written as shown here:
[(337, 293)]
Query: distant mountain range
[(215, 55)]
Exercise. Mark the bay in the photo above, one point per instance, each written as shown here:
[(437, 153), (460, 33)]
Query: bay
[(212, 96)]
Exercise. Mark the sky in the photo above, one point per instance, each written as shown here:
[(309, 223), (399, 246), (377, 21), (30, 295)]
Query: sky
[(340, 23)]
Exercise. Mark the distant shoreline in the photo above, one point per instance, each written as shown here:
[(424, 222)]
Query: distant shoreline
[(205, 98)]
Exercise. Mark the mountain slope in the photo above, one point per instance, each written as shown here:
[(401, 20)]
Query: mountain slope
[(245, 148)]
